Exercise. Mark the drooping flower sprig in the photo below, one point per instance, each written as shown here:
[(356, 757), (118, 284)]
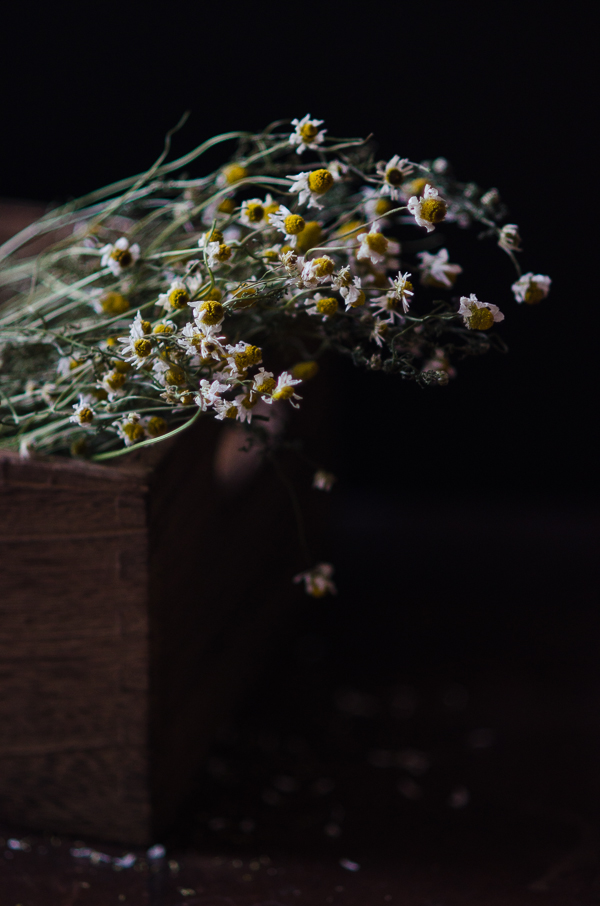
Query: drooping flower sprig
[(165, 298)]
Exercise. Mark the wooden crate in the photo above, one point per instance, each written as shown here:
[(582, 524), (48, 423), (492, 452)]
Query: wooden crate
[(136, 601)]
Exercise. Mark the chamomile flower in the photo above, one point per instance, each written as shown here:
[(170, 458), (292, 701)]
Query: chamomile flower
[(202, 340), (531, 288), (323, 481), (119, 256), (109, 303), (208, 312), (83, 414), (436, 270), (403, 289), (379, 331), (168, 374), (376, 205), (307, 134), (291, 225), (429, 209), (284, 389), (241, 357), (324, 306), (137, 347), (353, 295), (176, 298), (311, 186), (264, 384), (217, 253), (509, 238), (155, 425), (374, 246), (317, 581), (209, 393), (130, 429), (112, 383), (478, 315), (231, 174), (317, 271), (229, 409), (256, 213), (66, 364), (394, 173), (219, 210)]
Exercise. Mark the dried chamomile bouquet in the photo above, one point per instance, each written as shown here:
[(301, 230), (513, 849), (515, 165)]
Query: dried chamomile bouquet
[(167, 297)]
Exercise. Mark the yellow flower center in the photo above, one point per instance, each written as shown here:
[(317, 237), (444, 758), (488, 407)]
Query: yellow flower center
[(272, 208), (213, 295), (267, 385), (284, 394), (244, 295), (533, 294), (213, 235), (481, 319), (377, 243), (347, 229), (224, 252), (271, 255), (316, 591), (111, 341), (226, 206), (231, 412), (381, 328), (142, 348), (308, 132), (360, 300), (156, 426), (294, 224), (252, 355), (433, 210), (406, 287), (255, 212), (310, 237), (146, 326), (179, 298), (327, 307), (418, 185), (163, 329), (382, 206), (75, 363), (175, 376), (394, 176), (320, 181), (213, 312), (122, 256), (133, 431), (323, 267), (304, 371), (114, 303), (234, 172), (186, 399), (122, 367), (115, 380), (249, 402), (85, 416)]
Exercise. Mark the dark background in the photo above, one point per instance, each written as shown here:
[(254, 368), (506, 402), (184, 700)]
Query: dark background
[(464, 526)]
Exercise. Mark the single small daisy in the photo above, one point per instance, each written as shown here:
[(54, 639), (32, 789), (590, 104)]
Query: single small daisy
[(241, 357), (231, 174), (531, 288), (255, 213), (109, 303), (478, 315), (119, 256), (229, 409), (137, 347), (68, 363), (429, 209), (374, 246), (176, 298), (379, 331), (217, 253), (376, 205), (83, 414), (403, 289), (307, 134), (291, 225), (155, 425), (325, 306), (112, 384), (284, 389), (394, 173), (264, 383), (130, 430), (209, 393), (317, 271), (203, 340), (509, 238), (436, 270), (353, 295), (208, 312), (323, 481), (311, 186), (317, 581)]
